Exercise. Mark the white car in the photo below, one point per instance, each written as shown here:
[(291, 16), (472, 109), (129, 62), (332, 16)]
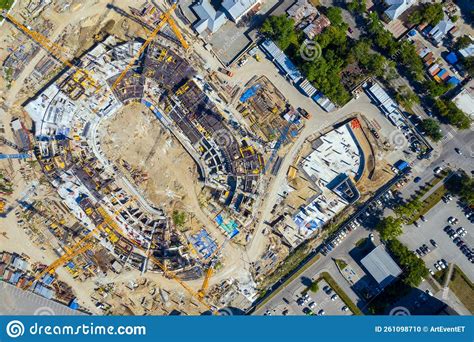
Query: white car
[(371, 237), (438, 268), (431, 271), (441, 264), (312, 305), (334, 297), (345, 308)]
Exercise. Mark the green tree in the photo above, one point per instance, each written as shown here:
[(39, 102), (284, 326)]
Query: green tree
[(280, 29), (433, 13), (414, 268), (389, 228), (463, 42), (436, 89), (468, 64), (357, 6), (314, 287), (427, 13), (179, 218), (334, 15), (431, 127), (463, 186), (407, 97), (452, 114)]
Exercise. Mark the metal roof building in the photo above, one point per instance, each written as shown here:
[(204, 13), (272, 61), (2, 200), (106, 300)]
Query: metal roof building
[(381, 266), (15, 301), (281, 60), (236, 9), (209, 18)]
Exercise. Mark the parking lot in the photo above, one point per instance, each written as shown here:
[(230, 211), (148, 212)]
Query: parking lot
[(436, 221), (320, 303)]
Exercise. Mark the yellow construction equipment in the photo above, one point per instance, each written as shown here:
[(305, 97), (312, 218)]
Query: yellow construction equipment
[(110, 221), (59, 262), (210, 270), (54, 49), (165, 18), (177, 32), (79, 248)]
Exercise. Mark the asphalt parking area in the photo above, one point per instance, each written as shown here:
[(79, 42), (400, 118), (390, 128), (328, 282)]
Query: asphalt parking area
[(433, 229), (322, 301)]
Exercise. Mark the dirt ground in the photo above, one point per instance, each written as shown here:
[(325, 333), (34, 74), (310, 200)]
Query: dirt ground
[(172, 174), (134, 134)]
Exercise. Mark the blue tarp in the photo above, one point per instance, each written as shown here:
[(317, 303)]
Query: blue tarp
[(249, 93), (453, 80), (452, 58)]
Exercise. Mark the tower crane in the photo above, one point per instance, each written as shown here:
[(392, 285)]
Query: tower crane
[(54, 49), (79, 248), (210, 269)]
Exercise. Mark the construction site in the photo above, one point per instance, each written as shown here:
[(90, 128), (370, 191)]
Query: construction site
[(165, 199), (134, 175)]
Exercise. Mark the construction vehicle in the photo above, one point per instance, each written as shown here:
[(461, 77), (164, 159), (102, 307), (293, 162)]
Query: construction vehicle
[(55, 50), (59, 262), (226, 72)]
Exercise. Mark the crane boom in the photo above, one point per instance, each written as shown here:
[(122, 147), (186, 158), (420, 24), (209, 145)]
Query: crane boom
[(164, 19), (77, 249), (177, 32), (53, 48)]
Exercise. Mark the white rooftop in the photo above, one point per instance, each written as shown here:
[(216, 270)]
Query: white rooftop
[(465, 102), (337, 153)]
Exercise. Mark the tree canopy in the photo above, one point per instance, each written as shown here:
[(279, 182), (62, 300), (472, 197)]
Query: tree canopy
[(281, 30), (427, 13), (452, 114), (463, 186), (414, 268), (431, 127), (389, 228)]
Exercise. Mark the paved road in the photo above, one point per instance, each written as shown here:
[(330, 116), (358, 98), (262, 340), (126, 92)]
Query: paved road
[(325, 263)]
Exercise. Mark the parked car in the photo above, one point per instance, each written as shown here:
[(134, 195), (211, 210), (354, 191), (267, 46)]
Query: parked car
[(334, 297), (417, 179), (433, 242)]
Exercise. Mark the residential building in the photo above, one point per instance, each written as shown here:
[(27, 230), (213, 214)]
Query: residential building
[(397, 7), (210, 20)]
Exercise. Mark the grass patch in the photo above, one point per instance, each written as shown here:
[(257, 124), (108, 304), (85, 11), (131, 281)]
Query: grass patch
[(440, 276), (463, 288), (361, 242), (428, 203), (287, 281), (344, 297), (341, 264)]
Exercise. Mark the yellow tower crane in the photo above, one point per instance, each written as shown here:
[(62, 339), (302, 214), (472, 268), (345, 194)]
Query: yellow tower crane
[(79, 248), (54, 49)]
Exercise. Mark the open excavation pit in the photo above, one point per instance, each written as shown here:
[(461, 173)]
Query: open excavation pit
[(149, 155)]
